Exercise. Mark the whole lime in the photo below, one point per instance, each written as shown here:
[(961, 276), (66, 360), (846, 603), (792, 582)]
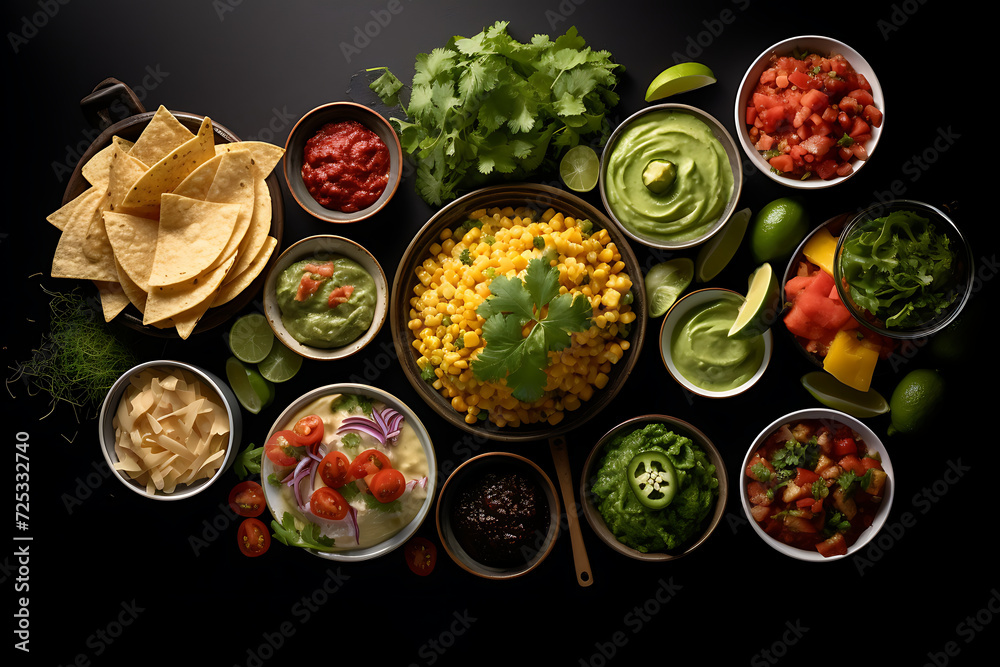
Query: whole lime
[(777, 229), (916, 400)]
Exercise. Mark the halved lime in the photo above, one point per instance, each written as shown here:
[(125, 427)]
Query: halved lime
[(579, 168), (833, 393), (280, 365), (761, 306), (251, 338), (665, 282), (679, 79), (251, 394), (719, 250)]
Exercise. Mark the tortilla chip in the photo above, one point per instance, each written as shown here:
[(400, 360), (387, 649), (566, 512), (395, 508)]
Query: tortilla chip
[(97, 168), (171, 170), (136, 295), (123, 171), (257, 232), (162, 135), (265, 155), (234, 184), (191, 237), (113, 298), (133, 240), (79, 253), (197, 184), (164, 302), (233, 286), (84, 204)]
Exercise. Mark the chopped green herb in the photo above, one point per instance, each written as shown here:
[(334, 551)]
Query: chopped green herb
[(351, 440), (489, 240), (308, 538), (247, 462), (538, 242), (427, 373), (465, 257)]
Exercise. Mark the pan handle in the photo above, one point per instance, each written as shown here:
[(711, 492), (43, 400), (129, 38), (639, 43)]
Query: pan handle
[(110, 97), (584, 576)]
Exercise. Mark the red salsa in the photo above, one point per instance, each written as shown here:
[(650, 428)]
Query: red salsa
[(810, 117), (345, 166), (815, 486)]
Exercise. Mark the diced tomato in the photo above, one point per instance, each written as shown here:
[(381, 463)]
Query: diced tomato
[(759, 468), (751, 115), (862, 96), (798, 78), (818, 145), (858, 128), (782, 163), (307, 287), (868, 462), (859, 150), (835, 546), (340, 295), (852, 463), (765, 142), (759, 512), (844, 446), (873, 115), (799, 524), (826, 169), (805, 502), (758, 494), (816, 100), (323, 269), (805, 477)]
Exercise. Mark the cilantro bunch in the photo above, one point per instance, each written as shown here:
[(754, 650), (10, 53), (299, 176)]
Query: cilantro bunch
[(489, 107), (521, 360)]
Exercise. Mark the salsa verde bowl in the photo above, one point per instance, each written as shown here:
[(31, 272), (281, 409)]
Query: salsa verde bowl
[(709, 466), (308, 126), (796, 530), (953, 283), (411, 295), (688, 203), (327, 246), (225, 411), (687, 324), (532, 508), (369, 530), (823, 46)]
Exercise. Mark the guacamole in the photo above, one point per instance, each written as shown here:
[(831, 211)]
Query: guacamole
[(326, 301), (668, 178), (704, 353), (634, 524)]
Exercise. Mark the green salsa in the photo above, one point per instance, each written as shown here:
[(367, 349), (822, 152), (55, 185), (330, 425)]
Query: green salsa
[(631, 521), (703, 352), (326, 311)]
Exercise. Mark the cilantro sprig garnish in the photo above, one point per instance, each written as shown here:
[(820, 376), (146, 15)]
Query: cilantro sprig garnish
[(509, 354), (307, 538)]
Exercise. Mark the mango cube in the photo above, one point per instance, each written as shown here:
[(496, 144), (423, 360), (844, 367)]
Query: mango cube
[(852, 360), (821, 249)]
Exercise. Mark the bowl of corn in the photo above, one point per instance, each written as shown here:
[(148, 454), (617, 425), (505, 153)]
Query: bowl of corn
[(438, 318)]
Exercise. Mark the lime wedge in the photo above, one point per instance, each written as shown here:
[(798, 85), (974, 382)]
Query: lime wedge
[(761, 307), (280, 365), (679, 79), (719, 250), (579, 168), (250, 393), (832, 393), (665, 282), (251, 338)]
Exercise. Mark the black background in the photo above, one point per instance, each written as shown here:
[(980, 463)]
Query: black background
[(113, 578)]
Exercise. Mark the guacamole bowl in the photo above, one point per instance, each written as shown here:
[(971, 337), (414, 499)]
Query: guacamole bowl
[(466, 526), (823, 46), (698, 353), (374, 304), (352, 416), (671, 176), (604, 476), (780, 506)]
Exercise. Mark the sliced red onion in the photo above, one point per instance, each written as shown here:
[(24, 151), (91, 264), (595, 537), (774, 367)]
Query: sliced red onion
[(353, 515)]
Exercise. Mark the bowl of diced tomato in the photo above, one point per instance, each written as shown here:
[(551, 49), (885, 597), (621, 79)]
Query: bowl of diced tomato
[(817, 485), (809, 112)]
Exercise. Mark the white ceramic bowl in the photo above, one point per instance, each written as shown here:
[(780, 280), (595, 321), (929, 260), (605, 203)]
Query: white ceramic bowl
[(211, 381), (735, 163), (682, 307), (816, 44), (277, 505), (873, 443), (308, 247)]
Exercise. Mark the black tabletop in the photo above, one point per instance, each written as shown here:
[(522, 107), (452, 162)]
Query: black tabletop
[(107, 577)]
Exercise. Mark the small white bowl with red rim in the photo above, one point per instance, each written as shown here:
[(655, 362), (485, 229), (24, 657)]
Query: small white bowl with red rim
[(825, 46)]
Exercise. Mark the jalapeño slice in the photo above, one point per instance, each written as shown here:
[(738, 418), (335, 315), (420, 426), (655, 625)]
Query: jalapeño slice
[(652, 478)]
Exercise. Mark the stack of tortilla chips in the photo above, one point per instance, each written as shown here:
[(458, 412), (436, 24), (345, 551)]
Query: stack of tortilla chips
[(173, 223)]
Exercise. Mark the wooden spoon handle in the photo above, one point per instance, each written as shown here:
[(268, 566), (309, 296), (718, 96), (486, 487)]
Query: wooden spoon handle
[(584, 576)]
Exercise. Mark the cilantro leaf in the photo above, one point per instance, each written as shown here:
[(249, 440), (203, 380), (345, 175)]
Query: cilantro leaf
[(308, 538), (247, 462)]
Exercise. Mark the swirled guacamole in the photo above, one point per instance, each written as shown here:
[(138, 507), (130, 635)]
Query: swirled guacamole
[(634, 524), (326, 301)]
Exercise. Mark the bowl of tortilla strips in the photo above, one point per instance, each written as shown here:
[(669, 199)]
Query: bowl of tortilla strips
[(173, 218)]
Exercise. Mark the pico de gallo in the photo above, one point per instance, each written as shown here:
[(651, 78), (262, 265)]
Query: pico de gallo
[(815, 485), (811, 116)]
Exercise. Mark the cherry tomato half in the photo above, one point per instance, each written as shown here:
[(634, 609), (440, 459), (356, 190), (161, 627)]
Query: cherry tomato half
[(369, 462), (334, 469), (327, 503), (387, 485), (247, 498), (309, 430), (421, 555), (280, 454), (254, 538)]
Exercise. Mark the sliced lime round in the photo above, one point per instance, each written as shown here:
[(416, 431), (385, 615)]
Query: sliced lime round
[(238, 375), (665, 282), (719, 250), (251, 338), (833, 393), (280, 365), (761, 307), (580, 168), (679, 79)]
